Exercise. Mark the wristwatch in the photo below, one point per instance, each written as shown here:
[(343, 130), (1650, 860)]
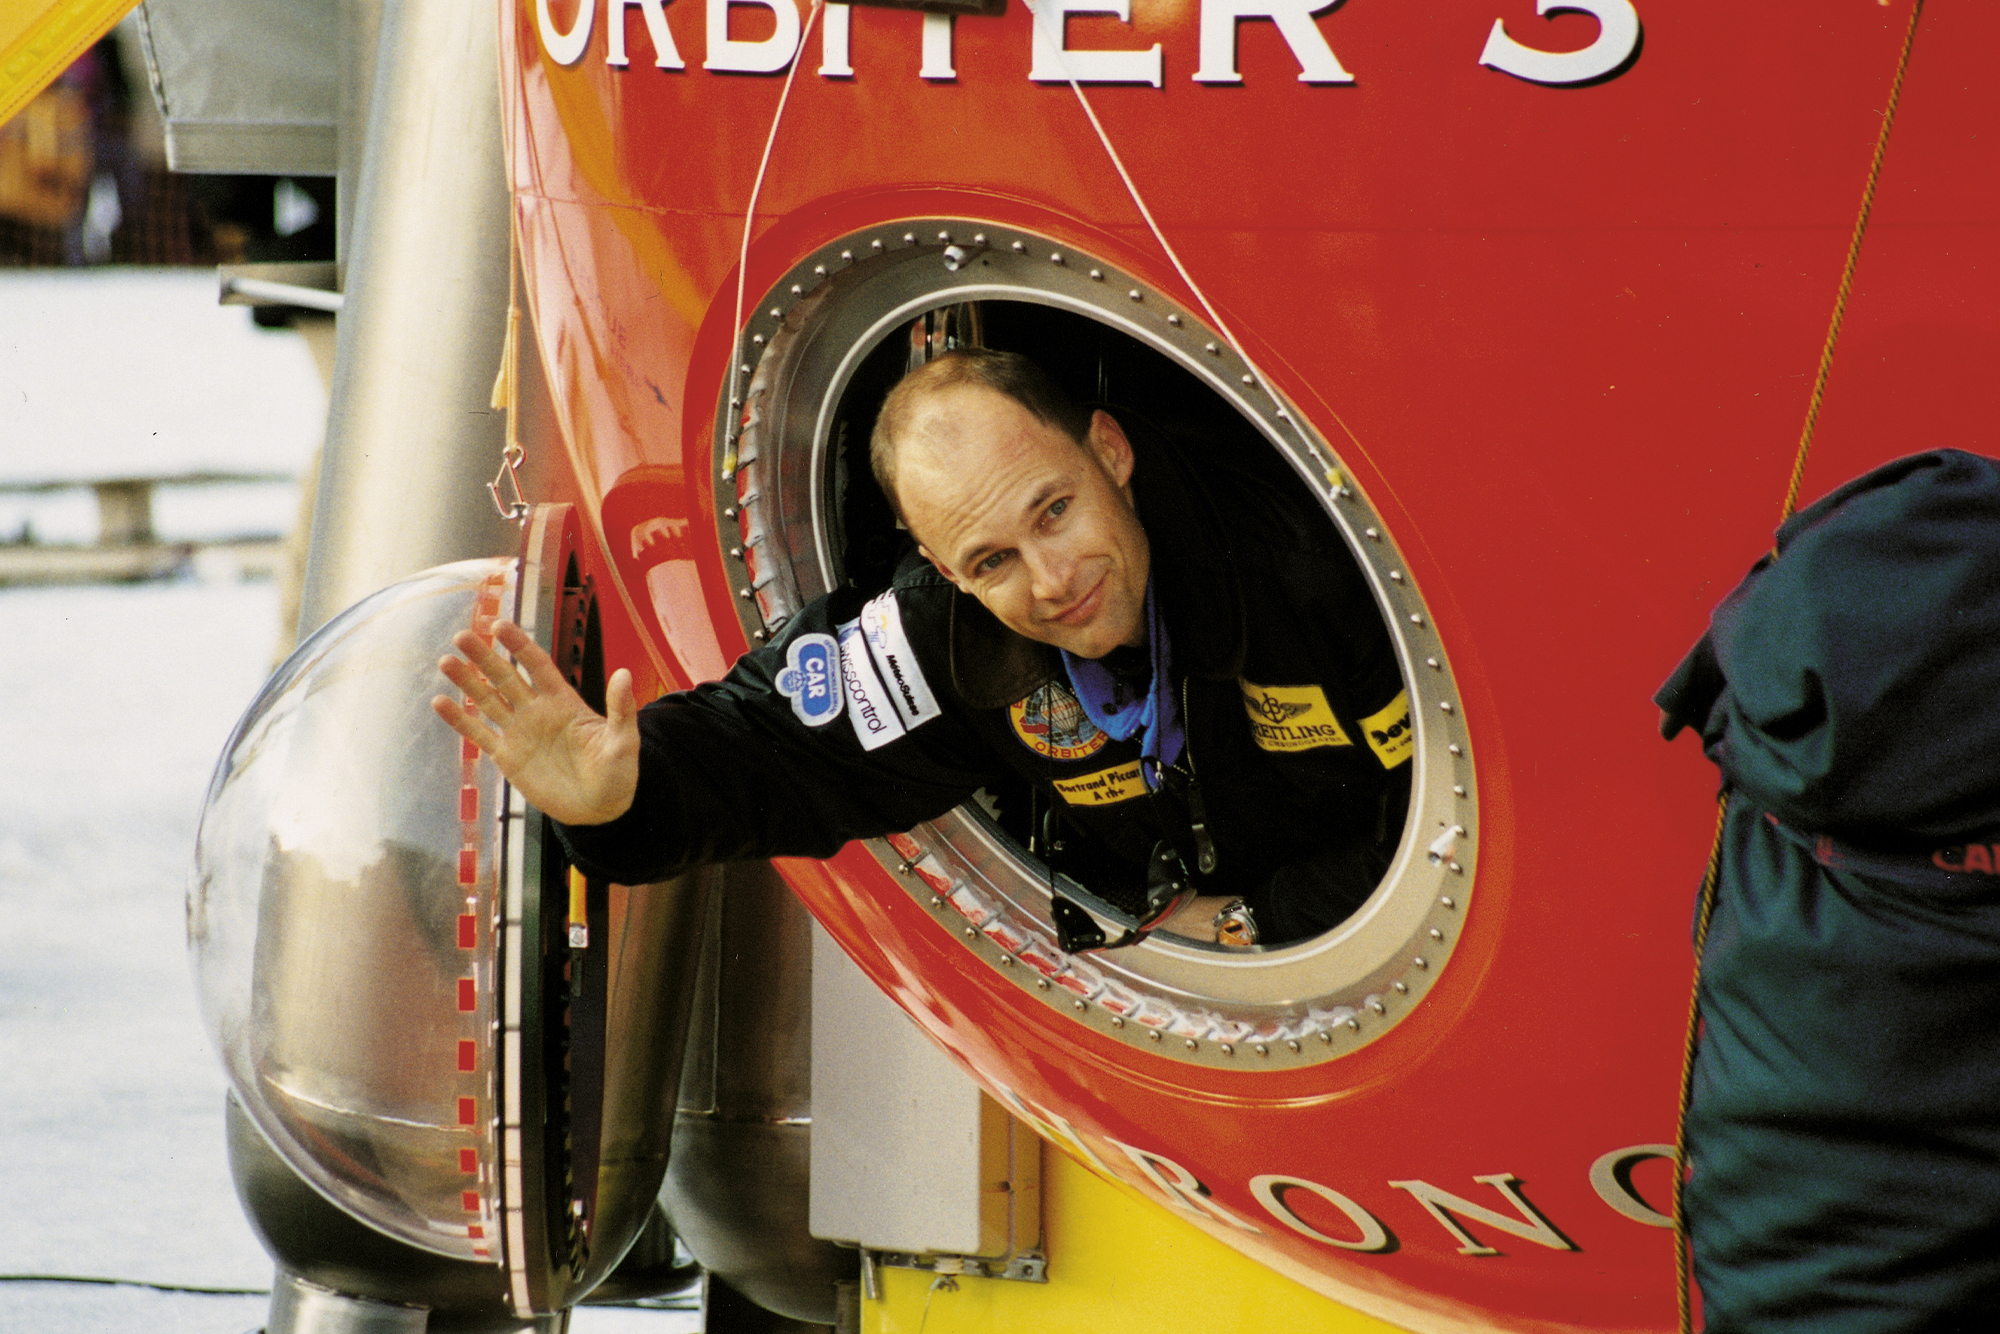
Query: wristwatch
[(1235, 925)]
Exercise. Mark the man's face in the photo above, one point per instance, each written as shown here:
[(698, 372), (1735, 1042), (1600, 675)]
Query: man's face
[(1014, 512)]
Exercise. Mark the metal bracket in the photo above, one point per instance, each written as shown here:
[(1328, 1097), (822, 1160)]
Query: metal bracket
[(1018, 1266), (310, 286), (510, 462)]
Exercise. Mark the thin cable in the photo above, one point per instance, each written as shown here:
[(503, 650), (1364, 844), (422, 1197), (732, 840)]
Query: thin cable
[(1847, 270), (943, 1282), (1683, 1257), (1207, 306), (1683, 1251), (750, 217), (90, 1281)]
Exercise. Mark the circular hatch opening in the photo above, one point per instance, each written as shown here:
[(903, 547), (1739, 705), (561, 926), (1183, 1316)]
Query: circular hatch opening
[(826, 344)]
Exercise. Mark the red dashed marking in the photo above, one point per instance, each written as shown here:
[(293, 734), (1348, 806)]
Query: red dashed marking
[(475, 1231), (468, 865), (468, 996), (468, 803), (468, 1055), (468, 1111), (468, 1161), (470, 1199), (468, 931), (468, 751)]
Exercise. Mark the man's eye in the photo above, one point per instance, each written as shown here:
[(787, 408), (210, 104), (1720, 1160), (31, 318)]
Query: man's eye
[(1056, 510), (991, 563)]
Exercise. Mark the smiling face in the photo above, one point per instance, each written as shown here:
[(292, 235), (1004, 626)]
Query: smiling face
[(1037, 527)]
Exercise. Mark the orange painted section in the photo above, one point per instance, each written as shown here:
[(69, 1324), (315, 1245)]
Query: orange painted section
[(1570, 333)]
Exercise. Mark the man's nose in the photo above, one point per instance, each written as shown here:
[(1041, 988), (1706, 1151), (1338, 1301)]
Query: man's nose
[(1048, 571)]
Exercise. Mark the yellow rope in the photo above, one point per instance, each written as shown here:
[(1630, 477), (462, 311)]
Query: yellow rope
[(1683, 1257), (1847, 270), (1683, 1260)]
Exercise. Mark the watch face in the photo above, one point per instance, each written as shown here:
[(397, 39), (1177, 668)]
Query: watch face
[(1235, 925)]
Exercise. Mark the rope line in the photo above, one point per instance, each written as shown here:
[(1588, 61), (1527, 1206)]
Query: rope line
[(1683, 1256), (1683, 1249), (86, 1280), (1847, 270), (1173, 257), (749, 219)]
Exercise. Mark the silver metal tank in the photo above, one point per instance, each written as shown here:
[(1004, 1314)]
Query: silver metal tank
[(738, 1180)]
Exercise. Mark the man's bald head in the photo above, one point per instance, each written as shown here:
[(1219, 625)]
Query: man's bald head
[(1006, 373)]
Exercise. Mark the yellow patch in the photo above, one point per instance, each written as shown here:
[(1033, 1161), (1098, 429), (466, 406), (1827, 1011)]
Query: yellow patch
[(1289, 718), (1103, 787), (1391, 734), (1051, 722)]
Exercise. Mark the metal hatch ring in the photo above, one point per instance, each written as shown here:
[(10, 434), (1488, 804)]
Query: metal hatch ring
[(776, 461)]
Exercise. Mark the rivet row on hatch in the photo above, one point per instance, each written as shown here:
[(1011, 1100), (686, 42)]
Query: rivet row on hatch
[(1005, 937)]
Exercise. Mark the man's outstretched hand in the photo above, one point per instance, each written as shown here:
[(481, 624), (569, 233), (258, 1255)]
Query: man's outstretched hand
[(572, 764)]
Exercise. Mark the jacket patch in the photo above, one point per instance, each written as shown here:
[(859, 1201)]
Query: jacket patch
[(1390, 733), (876, 722), (810, 679), (1291, 718), (1051, 722), (1103, 787), (896, 661)]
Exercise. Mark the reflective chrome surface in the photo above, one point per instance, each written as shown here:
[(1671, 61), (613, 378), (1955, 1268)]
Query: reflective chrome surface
[(340, 914), (411, 435), (738, 1185)]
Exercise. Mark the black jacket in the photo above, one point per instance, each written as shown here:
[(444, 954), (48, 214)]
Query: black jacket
[(1299, 736)]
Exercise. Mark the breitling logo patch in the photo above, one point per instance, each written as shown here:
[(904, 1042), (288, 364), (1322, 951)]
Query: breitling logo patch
[(1051, 722), (1291, 718), (1103, 787), (1390, 733)]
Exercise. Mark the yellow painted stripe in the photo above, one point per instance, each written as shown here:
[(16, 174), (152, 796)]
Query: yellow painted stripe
[(39, 39), (1117, 1265)]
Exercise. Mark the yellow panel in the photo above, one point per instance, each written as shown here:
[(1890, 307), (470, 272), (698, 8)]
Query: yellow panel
[(39, 39), (1117, 1265)]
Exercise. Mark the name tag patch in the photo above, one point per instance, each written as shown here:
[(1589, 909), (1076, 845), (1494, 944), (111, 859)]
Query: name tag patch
[(1291, 718), (809, 681), (1103, 787), (1051, 722), (910, 695), (876, 722), (1390, 733)]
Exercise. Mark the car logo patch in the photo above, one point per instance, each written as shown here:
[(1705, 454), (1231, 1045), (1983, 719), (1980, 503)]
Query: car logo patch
[(1390, 733), (1284, 719), (1103, 787), (868, 708), (809, 679), (910, 694), (1051, 722)]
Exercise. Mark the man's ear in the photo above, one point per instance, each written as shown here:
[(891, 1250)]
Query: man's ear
[(1109, 446), (938, 565)]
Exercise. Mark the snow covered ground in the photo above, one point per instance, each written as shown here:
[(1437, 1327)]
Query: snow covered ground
[(114, 703), (139, 373)]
